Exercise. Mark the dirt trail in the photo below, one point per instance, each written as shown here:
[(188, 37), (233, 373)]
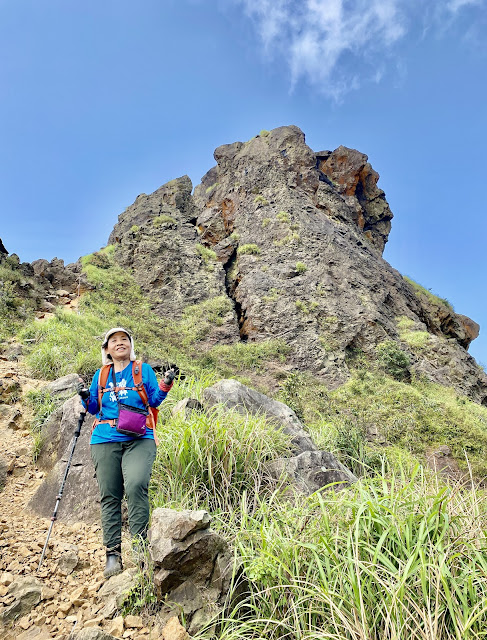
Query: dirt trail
[(69, 602)]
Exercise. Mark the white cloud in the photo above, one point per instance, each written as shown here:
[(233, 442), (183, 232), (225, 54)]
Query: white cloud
[(337, 45), (455, 5)]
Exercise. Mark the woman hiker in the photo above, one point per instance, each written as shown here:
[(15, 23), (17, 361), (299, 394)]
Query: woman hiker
[(123, 448)]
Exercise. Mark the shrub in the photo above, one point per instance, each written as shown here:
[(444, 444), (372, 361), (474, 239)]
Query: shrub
[(301, 267), (163, 219), (290, 238), (417, 340), (284, 217), (302, 306), (260, 200), (248, 249), (393, 360), (205, 253)]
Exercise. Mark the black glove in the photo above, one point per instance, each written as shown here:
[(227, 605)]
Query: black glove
[(82, 391), (170, 372)]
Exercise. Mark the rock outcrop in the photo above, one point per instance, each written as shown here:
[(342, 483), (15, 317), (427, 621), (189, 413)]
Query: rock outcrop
[(42, 285), (80, 501), (309, 469), (193, 566), (293, 239)]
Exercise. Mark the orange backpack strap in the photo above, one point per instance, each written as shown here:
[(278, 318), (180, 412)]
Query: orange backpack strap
[(139, 387), (102, 383)]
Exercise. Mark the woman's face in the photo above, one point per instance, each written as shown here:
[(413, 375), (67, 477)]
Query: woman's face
[(119, 346)]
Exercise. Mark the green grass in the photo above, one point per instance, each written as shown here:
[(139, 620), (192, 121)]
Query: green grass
[(16, 303), (284, 217), (410, 416), (432, 298), (41, 405), (385, 556), (211, 458), (208, 255), (245, 356), (248, 249), (163, 220)]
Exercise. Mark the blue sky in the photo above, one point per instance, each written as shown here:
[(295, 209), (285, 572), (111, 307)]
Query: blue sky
[(101, 101)]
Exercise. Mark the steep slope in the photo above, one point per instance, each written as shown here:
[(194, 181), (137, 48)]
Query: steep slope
[(295, 239)]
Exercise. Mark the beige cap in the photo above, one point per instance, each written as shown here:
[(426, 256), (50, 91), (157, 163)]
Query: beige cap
[(105, 358)]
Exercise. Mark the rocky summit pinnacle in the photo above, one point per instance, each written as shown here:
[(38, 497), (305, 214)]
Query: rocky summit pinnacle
[(294, 240)]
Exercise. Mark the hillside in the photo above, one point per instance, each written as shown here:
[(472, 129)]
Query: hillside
[(270, 272)]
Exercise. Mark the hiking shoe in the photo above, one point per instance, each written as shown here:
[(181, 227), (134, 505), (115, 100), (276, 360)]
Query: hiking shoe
[(114, 564)]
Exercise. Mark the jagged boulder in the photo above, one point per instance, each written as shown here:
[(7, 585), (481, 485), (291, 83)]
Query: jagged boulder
[(310, 471), (307, 471), (193, 565), (64, 386), (80, 501), (27, 592), (235, 395), (350, 173)]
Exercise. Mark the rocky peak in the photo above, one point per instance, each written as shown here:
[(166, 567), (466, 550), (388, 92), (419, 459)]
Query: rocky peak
[(294, 240), (349, 171)]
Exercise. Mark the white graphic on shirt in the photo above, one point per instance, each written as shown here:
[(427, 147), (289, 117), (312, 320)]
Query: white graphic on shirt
[(122, 393)]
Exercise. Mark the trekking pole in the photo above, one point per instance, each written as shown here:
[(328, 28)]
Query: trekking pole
[(60, 494)]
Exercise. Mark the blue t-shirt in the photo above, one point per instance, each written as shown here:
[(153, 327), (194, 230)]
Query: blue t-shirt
[(105, 432)]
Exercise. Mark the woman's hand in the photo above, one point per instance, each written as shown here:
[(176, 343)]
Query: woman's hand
[(82, 390)]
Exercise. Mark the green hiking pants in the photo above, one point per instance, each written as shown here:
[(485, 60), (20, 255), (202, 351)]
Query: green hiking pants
[(123, 466)]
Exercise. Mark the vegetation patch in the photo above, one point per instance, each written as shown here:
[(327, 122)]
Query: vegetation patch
[(261, 200), (284, 217), (208, 255), (211, 187), (248, 249), (432, 298), (159, 221), (301, 267), (393, 360), (16, 307)]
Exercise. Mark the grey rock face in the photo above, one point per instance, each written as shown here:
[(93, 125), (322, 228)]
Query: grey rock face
[(80, 501), (64, 385), (243, 399), (311, 470), (157, 238), (193, 569), (306, 472), (27, 592), (300, 237)]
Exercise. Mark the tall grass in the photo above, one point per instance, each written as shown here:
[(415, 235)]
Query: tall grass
[(209, 459), (390, 558)]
